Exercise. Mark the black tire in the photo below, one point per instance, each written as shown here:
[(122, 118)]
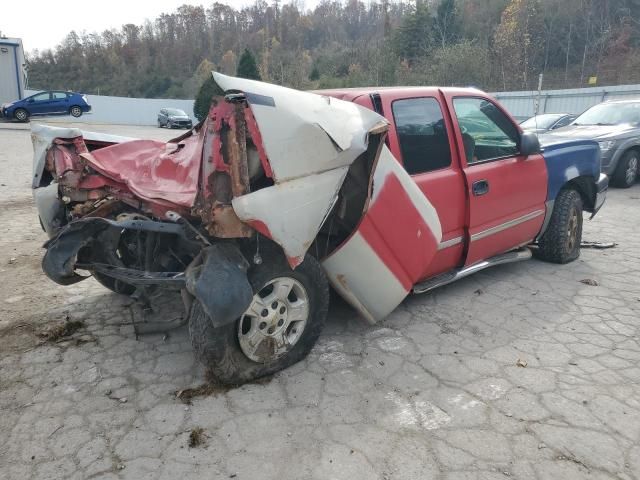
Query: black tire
[(219, 348), (114, 285), (626, 172), (75, 111), (560, 243), (21, 115)]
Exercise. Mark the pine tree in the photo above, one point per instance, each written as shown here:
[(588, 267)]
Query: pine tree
[(247, 66), (207, 91), (315, 74)]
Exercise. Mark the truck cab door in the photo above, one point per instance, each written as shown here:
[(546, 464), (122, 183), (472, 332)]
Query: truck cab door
[(506, 190)]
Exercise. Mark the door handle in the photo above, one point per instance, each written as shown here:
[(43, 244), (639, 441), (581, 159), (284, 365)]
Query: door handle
[(480, 187)]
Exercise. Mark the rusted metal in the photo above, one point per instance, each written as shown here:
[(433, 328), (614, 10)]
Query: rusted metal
[(225, 171), (226, 224)]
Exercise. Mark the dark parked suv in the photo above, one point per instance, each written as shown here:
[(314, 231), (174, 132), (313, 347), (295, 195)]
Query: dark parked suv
[(616, 127), (174, 118)]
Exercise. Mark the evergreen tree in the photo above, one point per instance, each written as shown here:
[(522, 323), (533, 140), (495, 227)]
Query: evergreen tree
[(414, 38), (315, 74), (247, 66), (207, 91)]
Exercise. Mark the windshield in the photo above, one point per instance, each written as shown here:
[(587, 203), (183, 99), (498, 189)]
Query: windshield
[(541, 121), (610, 114), (175, 111)]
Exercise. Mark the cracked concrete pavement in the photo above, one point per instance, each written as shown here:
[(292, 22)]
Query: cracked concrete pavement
[(438, 390)]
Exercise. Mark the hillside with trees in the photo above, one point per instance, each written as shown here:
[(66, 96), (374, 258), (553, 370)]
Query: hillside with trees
[(492, 44)]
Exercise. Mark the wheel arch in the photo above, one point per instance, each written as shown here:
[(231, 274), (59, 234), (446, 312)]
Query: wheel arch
[(586, 187)]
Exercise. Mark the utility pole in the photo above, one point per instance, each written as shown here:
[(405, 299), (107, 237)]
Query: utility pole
[(537, 106)]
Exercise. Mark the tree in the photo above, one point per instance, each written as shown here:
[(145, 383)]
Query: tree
[(247, 66), (447, 23), (202, 104), (315, 74), (518, 42), (413, 39)]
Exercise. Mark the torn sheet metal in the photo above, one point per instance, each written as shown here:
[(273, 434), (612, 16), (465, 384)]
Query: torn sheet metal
[(309, 142), (304, 133), (395, 242), (43, 136), (292, 212)]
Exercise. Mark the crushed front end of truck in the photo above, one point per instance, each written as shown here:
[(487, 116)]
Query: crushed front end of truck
[(272, 180)]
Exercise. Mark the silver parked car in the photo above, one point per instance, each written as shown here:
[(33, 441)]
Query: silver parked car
[(547, 121), (615, 126), (174, 118)]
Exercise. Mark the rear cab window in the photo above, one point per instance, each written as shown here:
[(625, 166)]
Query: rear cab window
[(422, 134)]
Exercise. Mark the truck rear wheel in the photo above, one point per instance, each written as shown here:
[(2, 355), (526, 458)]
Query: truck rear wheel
[(279, 328), (560, 243)]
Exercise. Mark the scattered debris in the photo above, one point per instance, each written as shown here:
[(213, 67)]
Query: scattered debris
[(204, 390), (479, 291), (213, 388), (521, 363), (598, 245), (61, 330), (196, 437), (589, 281), (12, 260), (573, 362)]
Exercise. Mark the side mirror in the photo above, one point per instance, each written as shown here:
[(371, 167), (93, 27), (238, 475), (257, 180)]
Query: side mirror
[(529, 144), (31, 100)]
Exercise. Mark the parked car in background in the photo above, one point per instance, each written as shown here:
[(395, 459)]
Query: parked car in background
[(547, 121), (250, 215), (616, 127), (174, 118), (47, 103)]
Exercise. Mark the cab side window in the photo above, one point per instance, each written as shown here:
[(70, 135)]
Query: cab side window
[(422, 134), (59, 95), (487, 132)]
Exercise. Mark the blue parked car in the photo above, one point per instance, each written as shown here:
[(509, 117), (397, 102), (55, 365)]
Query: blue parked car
[(47, 103)]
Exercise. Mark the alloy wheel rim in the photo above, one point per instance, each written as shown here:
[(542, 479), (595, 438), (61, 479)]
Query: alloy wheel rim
[(75, 111), (21, 115), (632, 170), (274, 321)]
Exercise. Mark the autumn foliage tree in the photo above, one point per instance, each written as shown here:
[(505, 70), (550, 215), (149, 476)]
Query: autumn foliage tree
[(493, 44), (517, 41)]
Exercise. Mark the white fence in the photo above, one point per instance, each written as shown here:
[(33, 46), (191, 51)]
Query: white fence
[(144, 111), (522, 104), (126, 111)]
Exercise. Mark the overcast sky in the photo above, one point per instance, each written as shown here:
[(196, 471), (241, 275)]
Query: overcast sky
[(44, 23)]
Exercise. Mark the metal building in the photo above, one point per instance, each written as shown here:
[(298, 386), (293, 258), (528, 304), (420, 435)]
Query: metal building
[(12, 71)]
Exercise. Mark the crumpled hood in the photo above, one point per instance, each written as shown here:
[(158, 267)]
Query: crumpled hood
[(595, 132), (43, 135)]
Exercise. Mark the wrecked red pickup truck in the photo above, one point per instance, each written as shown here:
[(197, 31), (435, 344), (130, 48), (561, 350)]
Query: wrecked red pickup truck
[(279, 193)]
